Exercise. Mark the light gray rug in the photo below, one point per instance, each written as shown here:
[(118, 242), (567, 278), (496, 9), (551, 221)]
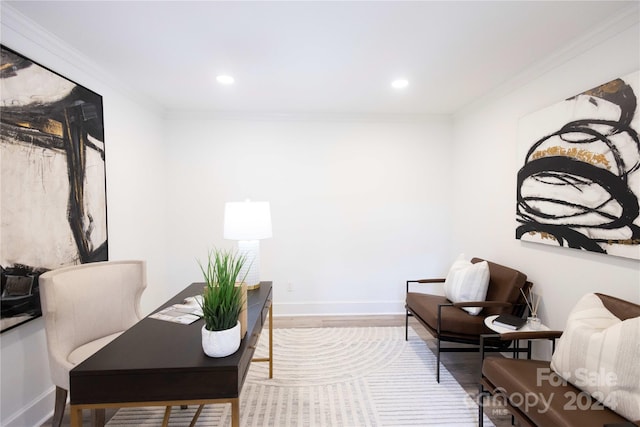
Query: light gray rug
[(348, 377)]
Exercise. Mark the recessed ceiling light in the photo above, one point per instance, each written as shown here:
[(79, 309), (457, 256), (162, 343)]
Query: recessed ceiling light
[(225, 80), (400, 83)]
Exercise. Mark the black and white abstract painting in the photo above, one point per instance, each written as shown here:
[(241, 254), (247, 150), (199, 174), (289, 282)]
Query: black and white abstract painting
[(579, 178), (52, 180)]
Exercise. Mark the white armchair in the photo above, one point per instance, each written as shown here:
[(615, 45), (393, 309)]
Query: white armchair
[(85, 307)]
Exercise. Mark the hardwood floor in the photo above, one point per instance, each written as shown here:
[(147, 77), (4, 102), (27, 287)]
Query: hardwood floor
[(465, 367)]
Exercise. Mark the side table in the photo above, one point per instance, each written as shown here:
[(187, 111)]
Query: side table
[(488, 321)]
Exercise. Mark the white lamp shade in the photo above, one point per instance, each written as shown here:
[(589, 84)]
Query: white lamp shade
[(247, 220)]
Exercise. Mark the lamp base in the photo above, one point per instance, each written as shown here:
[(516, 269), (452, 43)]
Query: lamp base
[(250, 272)]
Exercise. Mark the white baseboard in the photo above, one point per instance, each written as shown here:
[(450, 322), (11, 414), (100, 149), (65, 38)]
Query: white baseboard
[(35, 413), (338, 308)]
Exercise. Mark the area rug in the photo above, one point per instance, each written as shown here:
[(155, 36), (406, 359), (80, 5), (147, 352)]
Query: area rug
[(347, 377)]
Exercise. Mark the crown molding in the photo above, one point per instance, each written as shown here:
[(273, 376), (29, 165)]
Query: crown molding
[(306, 117), (66, 60), (608, 29)]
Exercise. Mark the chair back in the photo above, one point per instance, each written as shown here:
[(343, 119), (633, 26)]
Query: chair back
[(620, 308), (504, 286), (83, 303)]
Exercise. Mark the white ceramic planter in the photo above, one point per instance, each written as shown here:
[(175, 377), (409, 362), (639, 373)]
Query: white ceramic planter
[(221, 343)]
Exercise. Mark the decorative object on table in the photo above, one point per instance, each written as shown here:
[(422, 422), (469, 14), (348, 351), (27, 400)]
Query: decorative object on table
[(579, 182), (532, 303), (534, 322), (52, 175), (509, 321), (248, 222), (222, 303)]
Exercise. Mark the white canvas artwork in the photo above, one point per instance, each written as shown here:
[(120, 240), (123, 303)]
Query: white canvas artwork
[(579, 178), (52, 181)]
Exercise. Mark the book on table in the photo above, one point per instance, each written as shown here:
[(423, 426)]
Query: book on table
[(179, 313), (509, 321)]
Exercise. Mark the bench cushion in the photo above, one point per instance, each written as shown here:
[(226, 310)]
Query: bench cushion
[(454, 320), (542, 395)]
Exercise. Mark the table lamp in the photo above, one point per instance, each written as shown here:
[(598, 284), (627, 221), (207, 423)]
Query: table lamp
[(248, 222)]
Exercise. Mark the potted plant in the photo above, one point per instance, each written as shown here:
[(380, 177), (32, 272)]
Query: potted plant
[(222, 303)]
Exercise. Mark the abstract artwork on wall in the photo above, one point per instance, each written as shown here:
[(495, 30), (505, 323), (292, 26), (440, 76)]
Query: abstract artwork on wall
[(52, 180), (579, 181)]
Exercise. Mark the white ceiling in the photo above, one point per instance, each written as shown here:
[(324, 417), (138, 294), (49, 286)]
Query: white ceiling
[(318, 57)]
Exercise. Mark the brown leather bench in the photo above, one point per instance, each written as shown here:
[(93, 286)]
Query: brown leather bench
[(447, 321), (536, 396)]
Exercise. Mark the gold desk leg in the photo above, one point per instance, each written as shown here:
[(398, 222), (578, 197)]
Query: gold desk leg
[(194, 420), (271, 340), (235, 412), (167, 414), (76, 416)]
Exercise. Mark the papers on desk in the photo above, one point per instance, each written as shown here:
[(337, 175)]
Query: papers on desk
[(179, 313)]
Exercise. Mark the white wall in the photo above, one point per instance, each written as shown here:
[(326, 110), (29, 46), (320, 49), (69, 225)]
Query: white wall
[(486, 166), (135, 209), (357, 207)]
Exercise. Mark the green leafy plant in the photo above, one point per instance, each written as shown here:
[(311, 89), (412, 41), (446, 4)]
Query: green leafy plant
[(222, 300)]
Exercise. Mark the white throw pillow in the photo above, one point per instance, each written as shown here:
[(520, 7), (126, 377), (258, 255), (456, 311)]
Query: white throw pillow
[(467, 282), (599, 353)]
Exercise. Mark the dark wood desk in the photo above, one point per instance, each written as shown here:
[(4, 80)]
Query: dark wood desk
[(160, 363)]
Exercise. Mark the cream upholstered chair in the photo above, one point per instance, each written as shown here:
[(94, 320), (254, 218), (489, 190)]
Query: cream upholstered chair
[(85, 307)]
